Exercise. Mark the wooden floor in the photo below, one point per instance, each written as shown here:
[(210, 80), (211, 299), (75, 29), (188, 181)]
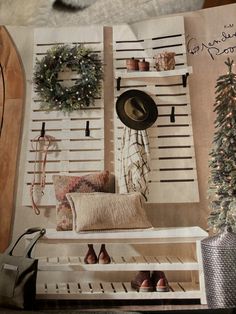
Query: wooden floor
[(113, 307), (125, 306), (129, 308)]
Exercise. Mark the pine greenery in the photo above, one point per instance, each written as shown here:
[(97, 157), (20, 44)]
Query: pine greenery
[(79, 59), (222, 181)]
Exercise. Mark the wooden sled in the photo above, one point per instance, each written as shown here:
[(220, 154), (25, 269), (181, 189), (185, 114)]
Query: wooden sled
[(12, 96)]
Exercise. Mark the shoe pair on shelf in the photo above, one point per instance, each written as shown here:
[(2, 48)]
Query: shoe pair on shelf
[(102, 258), (144, 282)]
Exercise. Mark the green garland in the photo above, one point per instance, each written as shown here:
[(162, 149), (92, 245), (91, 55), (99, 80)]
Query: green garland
[(87, 86)]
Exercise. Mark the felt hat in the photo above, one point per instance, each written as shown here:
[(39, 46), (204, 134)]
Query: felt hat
[(136, 109)]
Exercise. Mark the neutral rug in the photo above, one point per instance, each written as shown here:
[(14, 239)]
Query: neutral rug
[(105, 12)]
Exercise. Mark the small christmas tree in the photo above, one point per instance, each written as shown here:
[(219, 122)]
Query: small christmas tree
[(222, 182)]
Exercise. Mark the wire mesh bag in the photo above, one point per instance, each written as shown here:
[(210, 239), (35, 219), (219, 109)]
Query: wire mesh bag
[(219, 266)]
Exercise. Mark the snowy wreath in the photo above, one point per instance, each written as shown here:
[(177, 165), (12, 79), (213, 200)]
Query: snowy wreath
[(87, 84)]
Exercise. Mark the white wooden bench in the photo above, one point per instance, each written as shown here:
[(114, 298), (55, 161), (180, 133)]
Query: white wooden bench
[(122, 290)]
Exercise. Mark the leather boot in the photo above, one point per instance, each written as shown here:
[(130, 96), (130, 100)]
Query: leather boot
[(159, 281), (90, 257), (103, 256), (142, 282)]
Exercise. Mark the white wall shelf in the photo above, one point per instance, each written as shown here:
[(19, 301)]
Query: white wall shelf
[(133, 74), (152, 74)]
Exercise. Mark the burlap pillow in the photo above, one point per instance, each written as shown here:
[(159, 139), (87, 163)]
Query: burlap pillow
[(96, 182), (105, 211)]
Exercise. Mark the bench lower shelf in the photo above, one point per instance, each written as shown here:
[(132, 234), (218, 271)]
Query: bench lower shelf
[(113, 290)]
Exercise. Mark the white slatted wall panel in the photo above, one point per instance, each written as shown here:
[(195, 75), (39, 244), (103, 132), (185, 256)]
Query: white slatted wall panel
[(173, 176), (72, 153)]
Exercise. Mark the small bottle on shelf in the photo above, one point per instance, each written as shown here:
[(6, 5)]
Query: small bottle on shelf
[(132, 64), (143, 65)]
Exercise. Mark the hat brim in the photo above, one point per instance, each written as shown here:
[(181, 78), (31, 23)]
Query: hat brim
[(147, 102)]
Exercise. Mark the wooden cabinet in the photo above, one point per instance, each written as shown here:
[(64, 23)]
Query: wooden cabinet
[(87, 289)]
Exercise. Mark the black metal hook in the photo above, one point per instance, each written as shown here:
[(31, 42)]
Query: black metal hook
[(184, 79), (42, 132), (172, 115), (118, 83), (87, 130)]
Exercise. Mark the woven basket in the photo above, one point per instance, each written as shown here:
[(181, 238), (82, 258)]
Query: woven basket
[(219, 266), (165, 61)]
